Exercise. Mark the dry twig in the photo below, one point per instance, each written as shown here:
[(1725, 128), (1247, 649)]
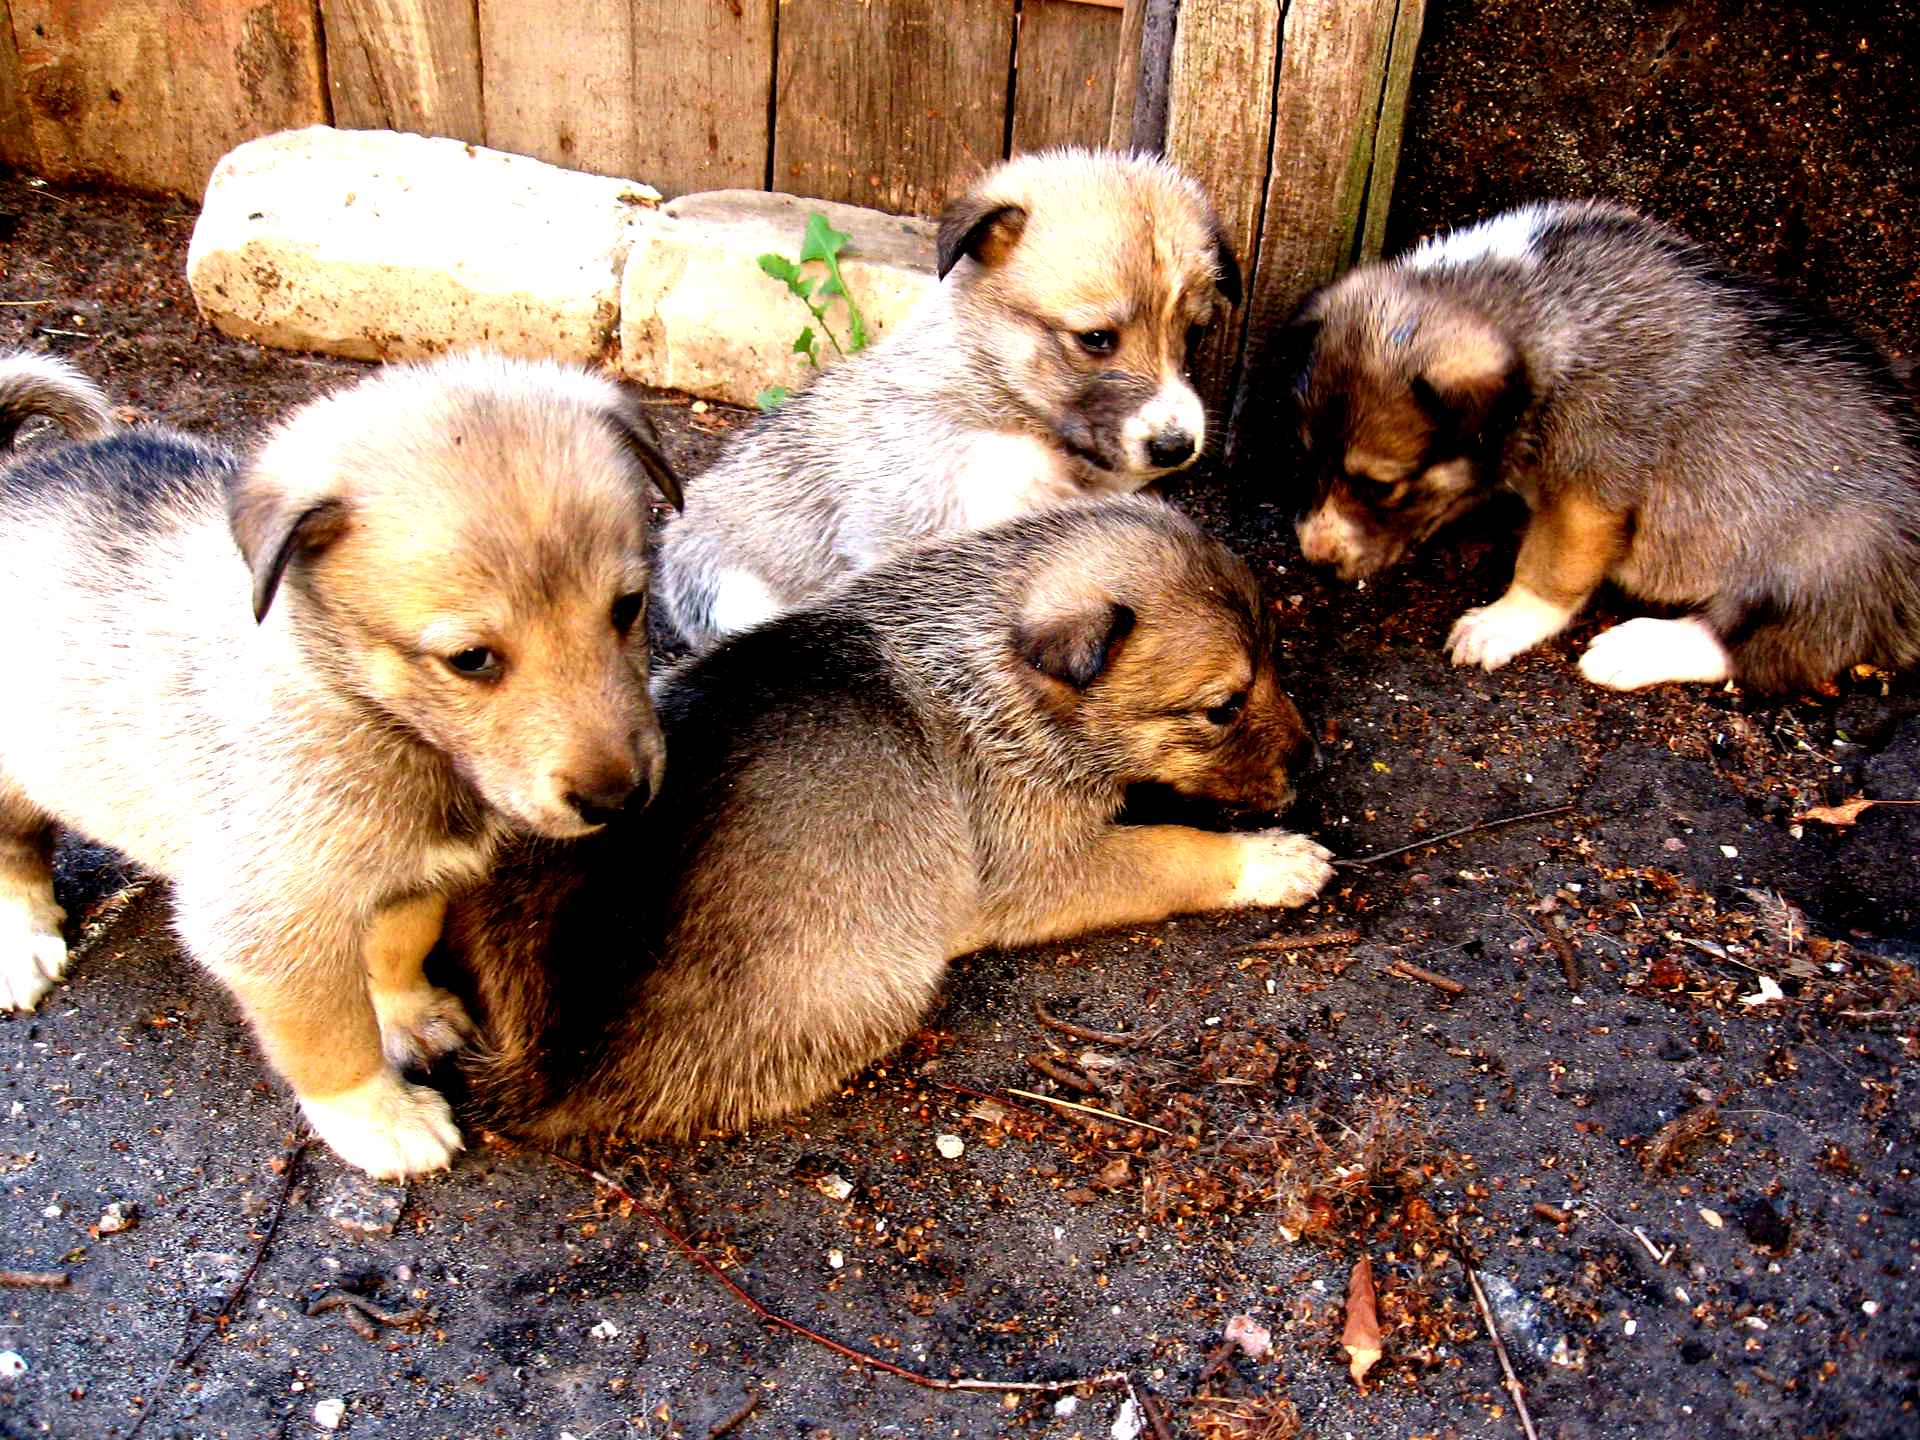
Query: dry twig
[(34, 1279), (1407, 970), (736, 1419), (1513, 1385), (1563, 947), (364, 1316), (1362, 861), (1122, 1039), (1088, 1110), (1318, 940), (1063, 1074)]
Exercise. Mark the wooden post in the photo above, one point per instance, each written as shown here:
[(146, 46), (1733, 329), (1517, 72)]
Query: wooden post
[(409, 65)]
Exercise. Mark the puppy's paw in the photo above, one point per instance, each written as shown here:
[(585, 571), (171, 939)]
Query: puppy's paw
[(1493, 634), (387, 1127), (1647, 652), (1278, 867), (32, 953), (419, 1025)]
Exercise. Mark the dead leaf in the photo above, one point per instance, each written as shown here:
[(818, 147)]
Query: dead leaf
[(1361, 1339), (1253, 1338), (1839, 816)]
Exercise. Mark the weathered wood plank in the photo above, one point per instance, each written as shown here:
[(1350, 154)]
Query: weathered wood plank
[(16, 136), (1220, 99), (1064, 73), (151, 93), (1408, 21), (1140, 83), (557, 82), (410, 65), (890, 103)]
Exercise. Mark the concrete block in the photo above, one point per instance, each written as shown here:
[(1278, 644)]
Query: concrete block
[(698, 314), (379, 245)]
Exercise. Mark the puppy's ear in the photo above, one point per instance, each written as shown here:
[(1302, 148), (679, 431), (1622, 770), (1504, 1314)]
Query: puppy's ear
[(1473, 390), (1075, 649), (984, 229), (273, 530), (1226, 277), (1295, 345), (637, 434)]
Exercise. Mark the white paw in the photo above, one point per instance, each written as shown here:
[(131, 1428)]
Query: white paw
[(420, 1025), (1492, 635), (1279, 867), (1654, 652), (387, 1127), (32, 953)]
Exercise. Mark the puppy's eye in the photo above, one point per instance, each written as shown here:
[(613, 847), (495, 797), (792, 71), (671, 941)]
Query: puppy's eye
[(628, 611), (1227, 711), (478, 663), (1099, 342)]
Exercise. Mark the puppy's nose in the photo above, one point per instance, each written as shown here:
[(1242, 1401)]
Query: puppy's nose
[(600, 803), (1172, 446)]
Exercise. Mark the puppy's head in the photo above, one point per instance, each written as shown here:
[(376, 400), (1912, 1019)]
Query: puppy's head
[(1403, 399), (1152, 645), (1081, 282), (461, 548)]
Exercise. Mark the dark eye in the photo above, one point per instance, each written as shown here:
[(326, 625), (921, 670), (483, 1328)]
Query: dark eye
[(628, 610), (1099, 342), (1227, 710), (479, 663)]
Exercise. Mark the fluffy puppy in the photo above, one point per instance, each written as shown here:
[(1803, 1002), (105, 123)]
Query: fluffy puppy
[(1049, 366), (929, 762), (1681, 430), (314, 689)]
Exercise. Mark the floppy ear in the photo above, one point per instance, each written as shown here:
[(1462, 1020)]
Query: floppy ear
[(637, 434), (1472, 396), (1226, 277), (1294, 345), (273, 531), (976, 226), (1075, 649)]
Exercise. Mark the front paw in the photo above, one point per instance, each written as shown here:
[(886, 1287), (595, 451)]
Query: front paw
[(419, 1025), (33, 955), (1493, 634), (1278, 867), (386, 1127)]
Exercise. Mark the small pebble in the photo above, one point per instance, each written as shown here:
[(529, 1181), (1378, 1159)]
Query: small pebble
[(834, 1187), (1729, 852), (329, 1413), (1712, 1217), (12, 1367), (1867, 1307), (950, 1146), (121, 1215), (1065, 1406), (53, 1212), (605, 1330), (836, 1259)]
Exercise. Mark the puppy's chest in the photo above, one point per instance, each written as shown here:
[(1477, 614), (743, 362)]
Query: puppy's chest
[(999, 475)]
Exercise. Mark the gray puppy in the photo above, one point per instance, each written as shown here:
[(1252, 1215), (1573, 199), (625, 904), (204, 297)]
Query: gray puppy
[(315, 689), (1677, 428), (929, 762), (1049, 366)]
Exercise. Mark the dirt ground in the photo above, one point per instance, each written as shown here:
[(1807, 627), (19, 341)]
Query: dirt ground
[(1693, 1209)]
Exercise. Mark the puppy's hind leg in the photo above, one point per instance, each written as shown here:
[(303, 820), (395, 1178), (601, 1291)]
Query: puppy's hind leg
[(33, 955), (1644, 652), (419, 1022)]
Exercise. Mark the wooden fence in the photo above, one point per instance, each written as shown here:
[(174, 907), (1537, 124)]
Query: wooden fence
[(1288, 110)]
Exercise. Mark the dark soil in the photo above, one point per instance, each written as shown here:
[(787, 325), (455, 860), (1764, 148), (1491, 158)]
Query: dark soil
[(1319, 1107)]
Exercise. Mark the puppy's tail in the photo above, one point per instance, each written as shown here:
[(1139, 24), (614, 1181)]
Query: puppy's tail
[(37, 385)]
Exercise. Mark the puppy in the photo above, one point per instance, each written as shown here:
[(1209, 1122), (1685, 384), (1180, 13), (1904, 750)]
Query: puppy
[(1678, 429), (315, 688), (1049, 366), (929, 762)]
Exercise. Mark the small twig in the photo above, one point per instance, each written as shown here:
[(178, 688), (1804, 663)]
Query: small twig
[(1563, 947), (736, 1419), (1513, 1385), (364, 1316), (1660, 1257), (70, 334), (1216, 1361), (1407, 970), (1088, 1110), (1319, 940), (1104, 1380), (1061, 1074), (35, 1279), (1156, 1417), (1374, 859), (11, 303), (299, 1148), (1119, 1038), (1551, 1213)]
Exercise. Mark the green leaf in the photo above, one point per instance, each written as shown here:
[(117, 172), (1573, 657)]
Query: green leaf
[(807, 343), (856, 329), (822, 242), (771, 398), (779, 267)]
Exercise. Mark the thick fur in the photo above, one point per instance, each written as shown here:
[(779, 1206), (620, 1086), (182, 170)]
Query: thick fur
[(1687, 433), (1049, 366), (316, 779), (929, 762)]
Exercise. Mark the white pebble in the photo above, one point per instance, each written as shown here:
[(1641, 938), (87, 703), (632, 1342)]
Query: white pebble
[(1065, 1406), (949, 1146), (12, 1367), (836, 1259), (1729, 852), (1712, 1217), (53, 1212), (329, 1413), (1127, 1425), (1869, 1307), (605, 1330)]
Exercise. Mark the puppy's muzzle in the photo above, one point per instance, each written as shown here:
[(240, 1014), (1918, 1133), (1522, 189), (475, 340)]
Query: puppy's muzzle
[(1170, 448)]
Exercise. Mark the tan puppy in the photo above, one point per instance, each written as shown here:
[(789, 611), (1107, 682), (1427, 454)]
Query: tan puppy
[(1679, 429), (929, 762), (427, 634), (1050, 366)]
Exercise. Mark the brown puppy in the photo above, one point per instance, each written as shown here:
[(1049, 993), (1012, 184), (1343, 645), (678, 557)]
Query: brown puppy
[(1674, 427), (927, 763), (1049, 366), (314, 690)]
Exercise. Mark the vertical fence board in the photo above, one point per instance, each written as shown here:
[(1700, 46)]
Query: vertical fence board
[(1219, 118), (1064, 80), (1408, 22), (409, 65), (152, 93), (557, 81), (889, 102), (16, 136)]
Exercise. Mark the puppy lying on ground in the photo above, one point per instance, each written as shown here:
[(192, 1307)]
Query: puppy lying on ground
[(1049, 366), (427, 634), (1676, 428), (928, 763)]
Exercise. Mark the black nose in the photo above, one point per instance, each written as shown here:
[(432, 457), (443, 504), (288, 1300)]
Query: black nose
[(1170, 448), (600, 804)]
